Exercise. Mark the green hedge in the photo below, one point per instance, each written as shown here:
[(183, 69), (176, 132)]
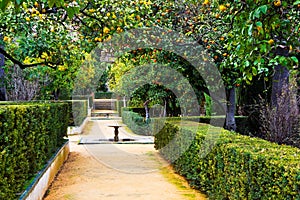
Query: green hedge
[(138, 125), (242, 122), (30, 134), (78, 110), (103, 95), (237, 167), (140, 111)]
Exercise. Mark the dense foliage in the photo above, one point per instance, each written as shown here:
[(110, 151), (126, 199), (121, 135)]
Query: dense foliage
[(30, 134), (237, 167)]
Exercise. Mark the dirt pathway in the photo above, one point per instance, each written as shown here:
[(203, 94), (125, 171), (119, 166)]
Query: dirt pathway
[(116, 171)]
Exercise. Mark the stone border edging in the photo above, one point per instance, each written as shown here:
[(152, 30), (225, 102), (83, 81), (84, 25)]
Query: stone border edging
[(73, 130), (39, 187)]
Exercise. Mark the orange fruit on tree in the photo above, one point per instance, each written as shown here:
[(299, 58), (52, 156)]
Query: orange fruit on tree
[(206, 2), (271, 41), (222, 8), (5, 38), (277, 3)]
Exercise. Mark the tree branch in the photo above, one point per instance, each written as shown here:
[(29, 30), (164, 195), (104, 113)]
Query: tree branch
[(23, 66), (233, 18)]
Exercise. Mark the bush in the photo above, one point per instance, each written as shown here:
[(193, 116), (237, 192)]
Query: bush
[(30, 134), (78, 111), (103, 95), (242, 122), (138, 125), (140, 111), (280, 123), (237, 167)]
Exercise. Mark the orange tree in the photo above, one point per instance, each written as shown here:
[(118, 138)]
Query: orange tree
[(158, 89), (245, 38), (52, 37)]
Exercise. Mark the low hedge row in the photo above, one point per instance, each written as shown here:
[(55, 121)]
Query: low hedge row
[(138, 125), (242, 122), (30, 134), (140, 111), (78, 111), (103, 95), (236, 167)]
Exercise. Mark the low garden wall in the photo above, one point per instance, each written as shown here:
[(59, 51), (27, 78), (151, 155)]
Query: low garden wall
[(237, 166), (30, 134), (38, 188)]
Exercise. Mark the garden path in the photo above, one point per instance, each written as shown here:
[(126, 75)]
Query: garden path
[(116, 171)]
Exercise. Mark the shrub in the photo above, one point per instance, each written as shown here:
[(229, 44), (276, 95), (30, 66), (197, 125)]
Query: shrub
[(103, 95), (78, 111), (237, 167), (30, 134), (138, 125), (242, 122), (280, 123)]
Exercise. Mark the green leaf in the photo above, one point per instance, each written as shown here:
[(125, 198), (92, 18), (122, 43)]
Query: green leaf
[(295, 59), (51, 3), (254, 71), (249, 76), (296, 3), (263, 9), (259, 24), (4, 4), (263, 48), (70, 12), (250, 30), (247, 63), (256, 14)]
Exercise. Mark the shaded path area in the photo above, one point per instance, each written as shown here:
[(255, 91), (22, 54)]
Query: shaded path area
[(116, 171)]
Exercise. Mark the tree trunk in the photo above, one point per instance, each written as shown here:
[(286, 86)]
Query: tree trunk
[(165, 108), (280, 78), (230, 111), (147, 111), (2, 76)]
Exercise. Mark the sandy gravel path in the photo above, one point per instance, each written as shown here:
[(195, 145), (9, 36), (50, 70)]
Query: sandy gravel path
[(116, 171)]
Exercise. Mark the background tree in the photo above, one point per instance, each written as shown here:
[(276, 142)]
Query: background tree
[(2, 74), (242, 37)]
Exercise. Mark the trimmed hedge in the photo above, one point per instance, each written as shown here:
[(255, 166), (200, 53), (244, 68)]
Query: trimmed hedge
[(242, 122), (30, 134), (78, 111), (237, 167), (103, 95), (140, 111), (138, 124)]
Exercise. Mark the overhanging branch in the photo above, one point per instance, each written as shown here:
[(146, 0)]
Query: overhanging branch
[(24, 66)]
